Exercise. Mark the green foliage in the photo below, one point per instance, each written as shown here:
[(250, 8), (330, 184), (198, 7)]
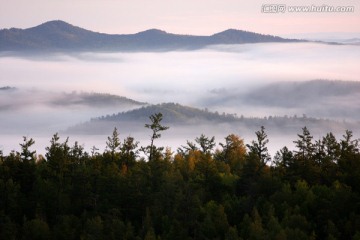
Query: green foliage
[(206, 144), (26, 154), (156, 127), (113, 142), (36, 229), (304, 144), (258, 149), (233, 153), (198, 193)]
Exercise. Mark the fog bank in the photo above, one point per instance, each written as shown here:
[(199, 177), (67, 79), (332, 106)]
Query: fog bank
[(216, 78)]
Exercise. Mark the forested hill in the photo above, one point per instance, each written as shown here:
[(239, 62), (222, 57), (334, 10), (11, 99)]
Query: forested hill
[(179, 116), (172, 112), (317, 98), (305, 93), (93, 99), (7, 88), (15, 98), (63, 37)]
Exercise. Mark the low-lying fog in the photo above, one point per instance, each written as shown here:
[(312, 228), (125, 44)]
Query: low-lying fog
[(202, 78)]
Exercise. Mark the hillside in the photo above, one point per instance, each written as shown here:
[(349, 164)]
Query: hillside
[(7, 88), (12, 98), (293, 94), (61, 36), (317, 98), (93, 100), (182, 117), (173, 114)]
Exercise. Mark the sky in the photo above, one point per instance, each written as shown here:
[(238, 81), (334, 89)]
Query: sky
[(220, 69), (199, 17)]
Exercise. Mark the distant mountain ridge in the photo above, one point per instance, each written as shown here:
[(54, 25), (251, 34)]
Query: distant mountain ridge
[(61, 36)]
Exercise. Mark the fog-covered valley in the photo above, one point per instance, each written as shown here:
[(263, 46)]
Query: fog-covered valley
[(54, 92)]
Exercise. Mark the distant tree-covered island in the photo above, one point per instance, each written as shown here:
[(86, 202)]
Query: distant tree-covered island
[(236, 191)]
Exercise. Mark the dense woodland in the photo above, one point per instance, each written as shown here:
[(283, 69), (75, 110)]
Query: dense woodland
[(235, 191)]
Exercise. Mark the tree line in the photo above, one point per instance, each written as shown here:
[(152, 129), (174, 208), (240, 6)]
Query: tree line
[(236, 191)]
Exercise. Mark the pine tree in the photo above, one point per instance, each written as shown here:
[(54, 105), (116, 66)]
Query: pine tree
[(26, 154), (113, 143), (156, 128), (259, 149), (206, 144), (304, 144)]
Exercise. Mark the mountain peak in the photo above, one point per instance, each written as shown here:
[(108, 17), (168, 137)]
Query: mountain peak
[(55, 24), (153, 31), (233, 32), (230, 30), (234, 36)]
